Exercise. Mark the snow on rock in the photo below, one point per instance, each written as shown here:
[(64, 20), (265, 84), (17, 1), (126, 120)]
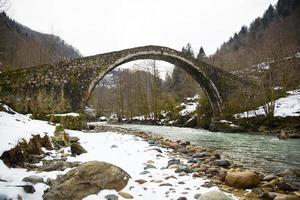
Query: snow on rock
[(285, 106), (14, 127), (189, 108)]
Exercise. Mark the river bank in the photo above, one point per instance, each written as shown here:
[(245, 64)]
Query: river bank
[(158, 168), (217, 167), (152, 175)]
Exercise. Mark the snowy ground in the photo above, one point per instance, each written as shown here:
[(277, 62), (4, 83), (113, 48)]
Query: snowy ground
[(285, 106), (126, 151)]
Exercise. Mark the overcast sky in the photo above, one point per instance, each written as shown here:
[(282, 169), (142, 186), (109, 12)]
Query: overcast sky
[(98, 26)]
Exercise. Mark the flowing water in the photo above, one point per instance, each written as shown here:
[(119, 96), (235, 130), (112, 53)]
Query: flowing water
[(262, 152)]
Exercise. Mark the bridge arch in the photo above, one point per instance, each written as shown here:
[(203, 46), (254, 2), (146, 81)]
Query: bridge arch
[(191, 65)]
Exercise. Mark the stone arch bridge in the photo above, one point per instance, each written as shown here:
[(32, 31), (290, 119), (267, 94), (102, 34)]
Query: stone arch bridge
[(67, 85)]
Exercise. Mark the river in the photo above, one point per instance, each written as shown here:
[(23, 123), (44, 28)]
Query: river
[(262, 152)]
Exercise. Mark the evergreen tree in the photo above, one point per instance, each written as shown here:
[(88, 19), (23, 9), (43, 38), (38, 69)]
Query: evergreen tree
[(188, 50), (284, 7), (268, 15), (201, 54)]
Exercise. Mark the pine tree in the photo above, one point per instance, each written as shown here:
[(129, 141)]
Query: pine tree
[(188, 50), (268, 15), (201, 54)]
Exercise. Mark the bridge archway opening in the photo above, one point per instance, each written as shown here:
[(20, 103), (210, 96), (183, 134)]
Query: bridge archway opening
[(189, 65)]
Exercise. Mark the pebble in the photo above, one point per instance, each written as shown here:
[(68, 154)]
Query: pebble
[(207, 184), (149, 166), (144, 172), (182, 150), (33, 179), (168, 177), (185, 169), (196, 175), (141, 181), (174, 166), (150, 162), (197, 196), (125, 195), (182, 174), (193, 160), (270, 177), (222, 163), (111, 197), (200, 155), (151, 142), (166, 184), (182, 198), (173, 162), (28, 188), (157, 149)]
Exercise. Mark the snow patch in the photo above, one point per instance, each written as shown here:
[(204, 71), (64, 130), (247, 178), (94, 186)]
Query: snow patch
[(285, 106)]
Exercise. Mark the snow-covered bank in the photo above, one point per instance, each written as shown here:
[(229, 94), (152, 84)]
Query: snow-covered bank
[(285, 106), (137, 157)]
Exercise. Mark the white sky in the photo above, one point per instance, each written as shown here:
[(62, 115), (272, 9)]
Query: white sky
[(98, 26)]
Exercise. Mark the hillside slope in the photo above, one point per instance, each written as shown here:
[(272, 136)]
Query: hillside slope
[(272, 37), (22, 47)]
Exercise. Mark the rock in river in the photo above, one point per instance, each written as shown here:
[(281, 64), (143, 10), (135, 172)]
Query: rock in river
[(86, 179)]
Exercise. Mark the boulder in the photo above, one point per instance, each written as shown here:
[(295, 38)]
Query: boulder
[(245, 179), (215, 195), (86, 179), (33, 179), (286, 197), (77, 149), (74, 139)]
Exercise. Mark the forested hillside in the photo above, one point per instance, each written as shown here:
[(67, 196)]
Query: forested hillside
[(22, 47), (274, 36)]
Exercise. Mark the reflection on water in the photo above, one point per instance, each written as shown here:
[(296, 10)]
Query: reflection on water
[(262, 152)]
